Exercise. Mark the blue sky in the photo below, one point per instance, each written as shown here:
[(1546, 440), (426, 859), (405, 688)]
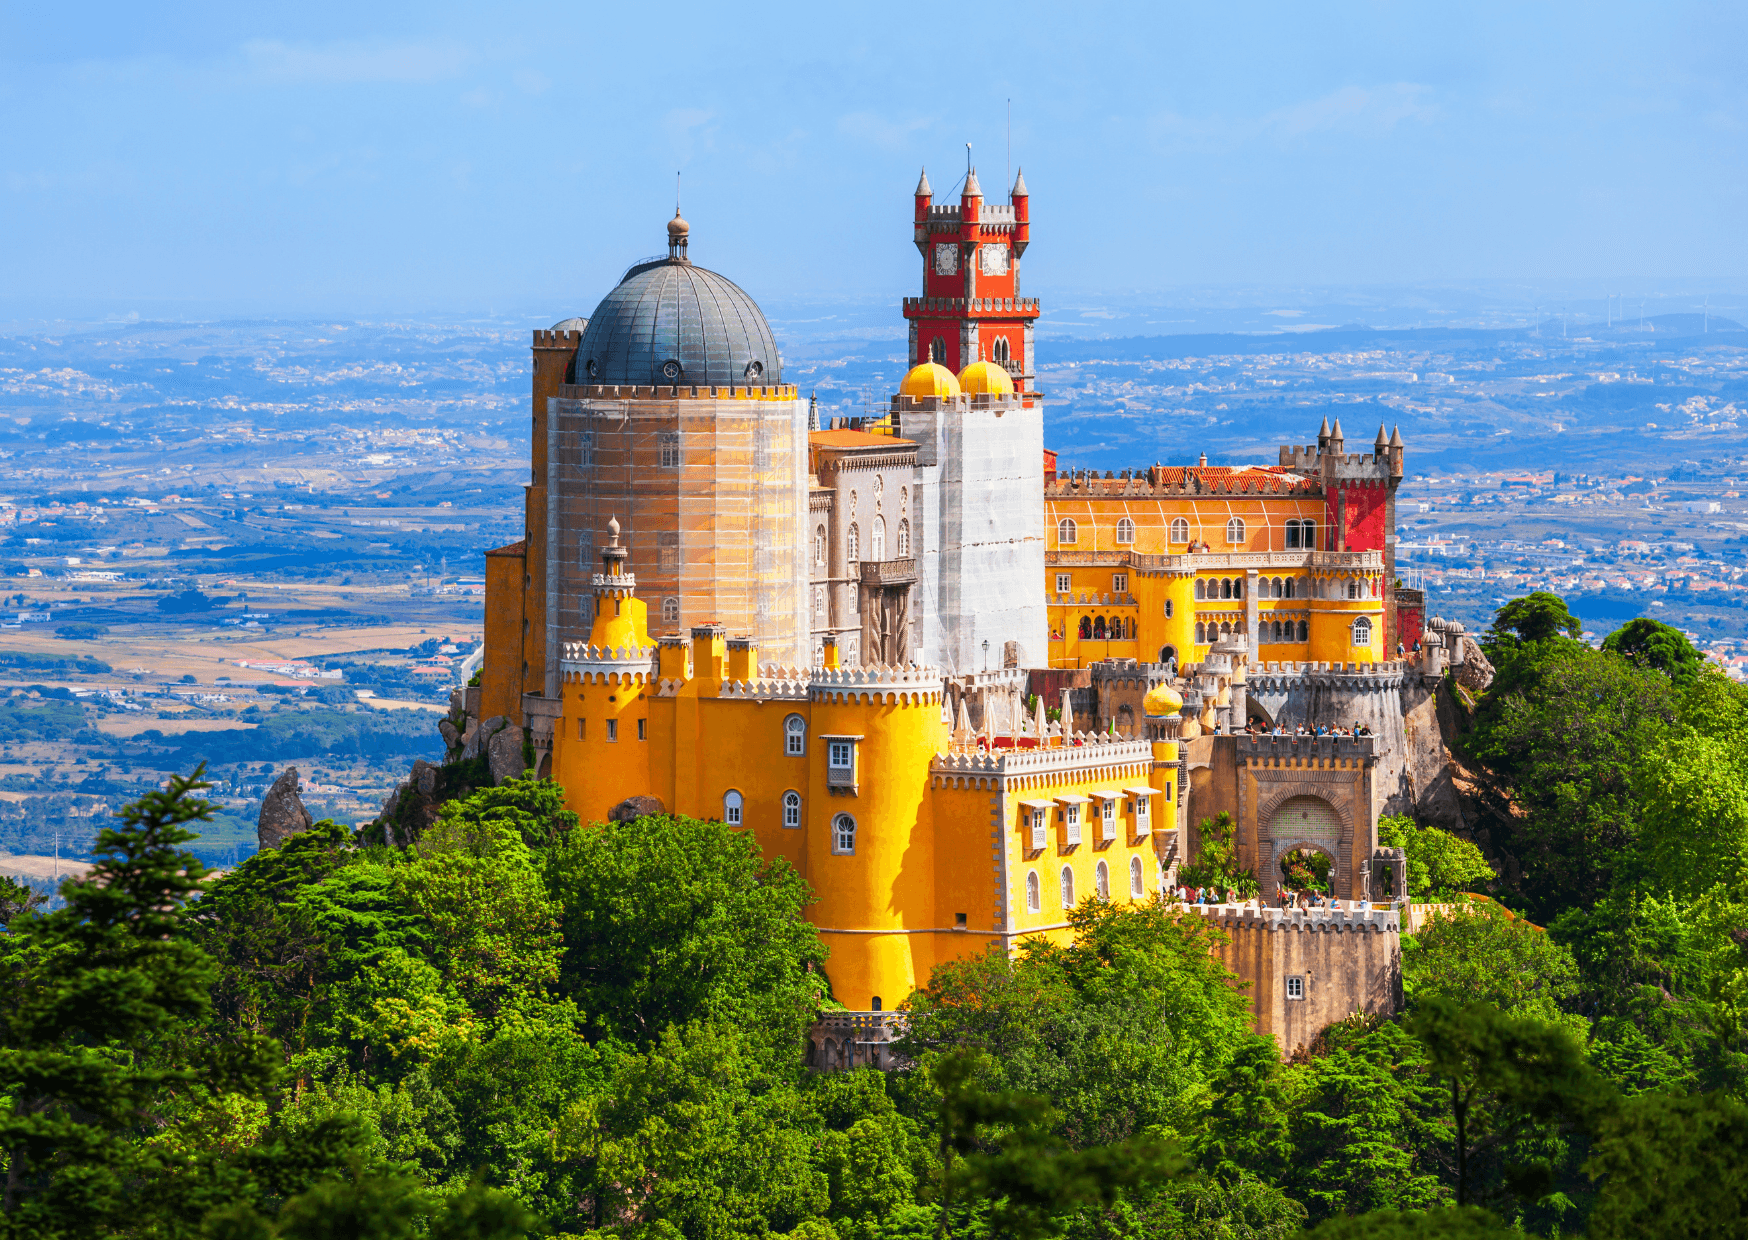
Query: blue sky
[(371, 158)]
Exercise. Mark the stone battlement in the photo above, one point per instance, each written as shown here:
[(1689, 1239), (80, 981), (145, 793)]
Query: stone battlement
[(615, 391), (1090, 749), (1304, 748), (1178, 480), (546, 338), (1231, 917), (1283, 677)]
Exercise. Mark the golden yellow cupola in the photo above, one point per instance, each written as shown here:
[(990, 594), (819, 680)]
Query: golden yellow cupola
[(985, 378), (929, 379)]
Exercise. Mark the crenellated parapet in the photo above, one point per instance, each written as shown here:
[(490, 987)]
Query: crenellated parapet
[(1281, 750), (582, 663), (876, 684), (1284, 677), (1232, 918), (1087, 755)]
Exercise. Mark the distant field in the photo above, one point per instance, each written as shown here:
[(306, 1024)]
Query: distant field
[(28, 865), (132, 725)]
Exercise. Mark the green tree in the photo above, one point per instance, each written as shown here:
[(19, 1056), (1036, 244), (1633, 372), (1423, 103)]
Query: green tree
[(1216, 864), (1654, 645), (95, 1050), (1562, 733), (1672, 1168), (1692, 779), (1479, 953), (1535, 617), (1439, 863), (1460, 1224), (670, 921)]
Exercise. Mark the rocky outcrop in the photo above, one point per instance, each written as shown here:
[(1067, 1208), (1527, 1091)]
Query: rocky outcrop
[(1473, 671), (282, 812), (504, 753), (478, 753), (633, 808)]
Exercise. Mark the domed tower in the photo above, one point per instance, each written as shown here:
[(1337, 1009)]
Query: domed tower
[(672, 415)]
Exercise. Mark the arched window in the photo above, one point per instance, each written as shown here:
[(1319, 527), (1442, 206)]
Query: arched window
[(1289, 593), (819, 545), (1129, 629), (731, 808), (1238, 587), (1235, 531), (1034, 897), (1125, 531), (671, 610), (1086, 627), (1137, 888), (1201, 634), (904, 540), (1226, 629), (1304, 630), (819, 602), (1277, 630), (1066, 531), (999, 350), (1225, 587), (1099, 632), (794, 736), (879, 543), (1308, 535), (844, 835), (1362, 632), (853, 544), (1102, 879), (1201, 588), (1180, 530), (937, 351), (1067, 887), (1275, 587), (792, 809), (1292, 535)]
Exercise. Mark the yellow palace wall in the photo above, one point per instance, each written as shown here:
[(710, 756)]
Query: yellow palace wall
[(1158, 608), (926, 812)]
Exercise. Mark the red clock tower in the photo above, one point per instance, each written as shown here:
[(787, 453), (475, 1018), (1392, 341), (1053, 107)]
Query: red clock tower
[(971, 309)]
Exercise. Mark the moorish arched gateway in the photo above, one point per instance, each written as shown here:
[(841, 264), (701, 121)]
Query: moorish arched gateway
[(1306, 792)]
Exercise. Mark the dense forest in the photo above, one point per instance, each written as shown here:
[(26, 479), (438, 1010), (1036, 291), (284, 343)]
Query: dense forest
[(521, 1025)]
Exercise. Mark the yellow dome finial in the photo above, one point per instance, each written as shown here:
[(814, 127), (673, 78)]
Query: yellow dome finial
[(985, 378), (1161, 701), (929, 379)]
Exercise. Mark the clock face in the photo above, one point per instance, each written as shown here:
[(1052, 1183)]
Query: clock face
[(994, 259), (946, 259)]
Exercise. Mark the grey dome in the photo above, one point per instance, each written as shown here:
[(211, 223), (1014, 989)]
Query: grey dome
[(669, 322)]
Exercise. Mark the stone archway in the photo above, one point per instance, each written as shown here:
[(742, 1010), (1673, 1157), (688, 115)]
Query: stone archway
[(1301, 820), (1284, 848)]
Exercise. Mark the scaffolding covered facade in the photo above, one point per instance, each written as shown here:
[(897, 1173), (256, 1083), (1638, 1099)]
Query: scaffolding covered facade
[(709, 486)]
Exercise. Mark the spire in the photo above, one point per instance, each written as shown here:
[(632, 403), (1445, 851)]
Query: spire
[(922, 186), (1382, 441), (1335, 435), (1019, 184), (1396, 437), (613, 556), (813, 411), (1323, 431), (678, 233), (972, 188)]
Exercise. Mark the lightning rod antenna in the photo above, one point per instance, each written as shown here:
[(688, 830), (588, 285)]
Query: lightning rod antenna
[(1010, 173)]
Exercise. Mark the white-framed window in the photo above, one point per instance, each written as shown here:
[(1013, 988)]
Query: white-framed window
[(1296, 987), (1125, 531), (1108, 818), (1064, 583), (613, 729), (1202, 589), (1308, 535), (669, 442), (1039, 822), (1235, 531), (1066, 530), (1071, 824), (1000, 350), (819, 602), (670, 610), (879, 542), (668, 552), (844, 835), (1102, 881), (1034, 896), (794, 736), (791, 809), (1067, 887), (853, 544), (1180, 530), (1140, 813), (1137, 886), (904, 540), (938, 349), (841, 755), (819, 545), (732, 805), (1292, 534), (1119, 583), (1362, 632)]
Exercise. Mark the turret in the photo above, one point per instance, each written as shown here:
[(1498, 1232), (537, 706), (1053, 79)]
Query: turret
[(1022, 213), (1323, 436), (1396, 448), (1380, 444), (678, 231), (924, 196), (1336, 442)]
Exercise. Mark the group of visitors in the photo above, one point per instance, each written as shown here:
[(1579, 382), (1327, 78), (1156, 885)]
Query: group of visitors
[(1225, 895), (1258, 729)]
